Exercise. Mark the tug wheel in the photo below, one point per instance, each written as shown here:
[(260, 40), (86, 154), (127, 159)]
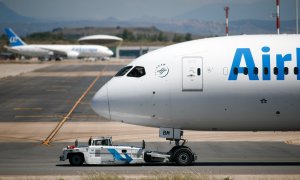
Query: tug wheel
[(76, 160)]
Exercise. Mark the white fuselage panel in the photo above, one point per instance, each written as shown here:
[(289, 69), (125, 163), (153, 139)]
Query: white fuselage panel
[(193, 86)]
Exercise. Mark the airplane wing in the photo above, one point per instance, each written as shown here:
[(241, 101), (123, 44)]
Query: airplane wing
[(62, 53), (10, 49), (55, 51), (7, 47)]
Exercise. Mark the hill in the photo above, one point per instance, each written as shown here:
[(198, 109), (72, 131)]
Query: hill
[(131, 35), (196, 26), (9, 16)]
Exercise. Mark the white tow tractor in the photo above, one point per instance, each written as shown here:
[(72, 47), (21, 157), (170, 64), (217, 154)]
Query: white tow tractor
[(102, 151)]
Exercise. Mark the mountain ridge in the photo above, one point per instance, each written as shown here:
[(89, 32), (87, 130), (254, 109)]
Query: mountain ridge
[(26, 25), (9, 16)]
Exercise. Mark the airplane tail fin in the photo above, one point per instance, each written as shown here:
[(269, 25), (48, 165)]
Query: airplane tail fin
[(14, 39)]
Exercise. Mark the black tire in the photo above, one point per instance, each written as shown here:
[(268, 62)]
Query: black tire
[(147, 158), (183, 157), (175, 148), (76, 159)]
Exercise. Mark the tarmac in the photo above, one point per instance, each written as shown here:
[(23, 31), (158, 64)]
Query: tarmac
[(227, 158), (34, 100)]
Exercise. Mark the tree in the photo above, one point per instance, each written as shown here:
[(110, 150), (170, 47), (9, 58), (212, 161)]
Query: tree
[(3, 42), (153, 37), (177, 38), (46, 36), (188, 37), (160, 36), (125, 34), (128, 35)]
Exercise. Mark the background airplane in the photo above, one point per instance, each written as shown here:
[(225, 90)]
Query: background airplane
[(16, 45), (235, 83)]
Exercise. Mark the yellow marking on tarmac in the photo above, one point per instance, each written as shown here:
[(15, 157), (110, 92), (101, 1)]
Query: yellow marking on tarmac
[(57, 90), (61, 123), (28, 109), (38, 116), (57, 116), (83, 116), (70, 74), (85, 103), (62, 86), (19, 138)]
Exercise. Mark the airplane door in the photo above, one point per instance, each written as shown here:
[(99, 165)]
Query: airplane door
[(192, 74)]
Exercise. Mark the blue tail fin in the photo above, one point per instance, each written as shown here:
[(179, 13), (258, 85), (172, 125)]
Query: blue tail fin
[(14, 39)]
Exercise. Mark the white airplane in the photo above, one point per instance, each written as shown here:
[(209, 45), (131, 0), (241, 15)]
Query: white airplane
[(70, 51), (235, 83)]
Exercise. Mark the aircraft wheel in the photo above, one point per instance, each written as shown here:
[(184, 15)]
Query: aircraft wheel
[(183, 157)]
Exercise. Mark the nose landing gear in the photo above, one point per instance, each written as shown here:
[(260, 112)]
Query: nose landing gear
[(180, 154)]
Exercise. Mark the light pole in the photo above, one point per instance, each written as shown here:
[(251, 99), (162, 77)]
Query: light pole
[(226, 9), (278, 16), (297, 25)]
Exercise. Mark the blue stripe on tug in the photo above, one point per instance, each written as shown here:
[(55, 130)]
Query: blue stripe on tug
[(119, 157)]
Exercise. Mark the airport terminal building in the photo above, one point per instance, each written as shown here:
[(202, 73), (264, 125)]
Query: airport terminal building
[(115, 44)]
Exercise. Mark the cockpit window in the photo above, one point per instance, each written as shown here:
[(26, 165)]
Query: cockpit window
[(137, 71), (123, 71)]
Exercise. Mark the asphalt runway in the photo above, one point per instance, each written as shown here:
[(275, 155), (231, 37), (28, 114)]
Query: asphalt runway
[(34, 98), (48, 99), (224, 158)]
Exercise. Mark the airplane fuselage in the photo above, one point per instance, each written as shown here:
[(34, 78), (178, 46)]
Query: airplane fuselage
[(237, 83), (18, 46), (71, 51)]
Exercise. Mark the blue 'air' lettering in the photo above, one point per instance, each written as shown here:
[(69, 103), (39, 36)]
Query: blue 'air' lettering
[(280, 64), (298, 62), (240, 52), (246, 55), (266, 63)]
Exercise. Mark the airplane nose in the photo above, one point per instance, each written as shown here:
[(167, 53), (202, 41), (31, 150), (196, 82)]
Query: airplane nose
[(100, 103), (110, 53)]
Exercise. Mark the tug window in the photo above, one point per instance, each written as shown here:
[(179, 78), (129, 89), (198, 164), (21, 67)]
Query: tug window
[(123, 71), (137, 71)]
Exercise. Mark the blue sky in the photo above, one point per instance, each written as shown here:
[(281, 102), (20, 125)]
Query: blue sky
[(128, 9)]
